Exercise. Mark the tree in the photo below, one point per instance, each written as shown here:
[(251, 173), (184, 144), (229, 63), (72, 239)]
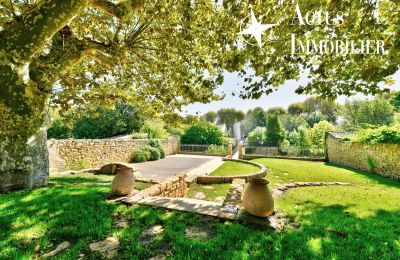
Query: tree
[(102, 123), (162, 55), (229, 117), (210, 116), (154, 129), (292, 123), (203, 133), (275, 133), (317, 133), (257, 136), (254, 118), (295, 109), (277, 111), (395, 101), (364, 113), (325, 109)]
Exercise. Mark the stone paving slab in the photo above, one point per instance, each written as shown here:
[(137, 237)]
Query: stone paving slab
[(159, 171), (184, 204)]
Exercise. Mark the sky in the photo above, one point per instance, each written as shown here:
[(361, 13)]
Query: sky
[(283, 97)]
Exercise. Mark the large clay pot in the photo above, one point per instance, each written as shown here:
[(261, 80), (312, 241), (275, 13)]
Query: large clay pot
[(124, 182), (257, 199)]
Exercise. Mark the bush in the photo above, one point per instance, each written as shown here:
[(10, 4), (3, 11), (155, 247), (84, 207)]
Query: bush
[(103, 123), (139, 136), (152, 153), (216, 149), (275, 133), (203, 133), (384, 135), (155, 129), (59, 130), (257, 136), (139, 156), (156, 144)]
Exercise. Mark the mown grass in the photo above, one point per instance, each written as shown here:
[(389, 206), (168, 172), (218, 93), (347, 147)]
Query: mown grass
[(355, 222), (229, 168)]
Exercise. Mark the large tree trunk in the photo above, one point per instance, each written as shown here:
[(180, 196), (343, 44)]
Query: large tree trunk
[(23, 150)]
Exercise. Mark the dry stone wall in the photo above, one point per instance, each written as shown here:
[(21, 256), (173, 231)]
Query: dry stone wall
[(98, 152), (381, 159)]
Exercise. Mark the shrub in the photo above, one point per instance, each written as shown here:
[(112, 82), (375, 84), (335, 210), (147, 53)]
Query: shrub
[(103, 123), (275, 134), (384, 134), (203, 133), (139, 156), (317, 133), (155, 129), (216, 149), (156, 144), (59, 130), (152, 153), (249, 150), (139, 136), (257, 136)]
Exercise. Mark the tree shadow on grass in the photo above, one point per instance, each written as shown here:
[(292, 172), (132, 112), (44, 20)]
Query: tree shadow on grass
[(374, 177), (53, 214)]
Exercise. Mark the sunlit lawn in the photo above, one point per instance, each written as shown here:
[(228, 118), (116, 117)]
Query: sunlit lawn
[(364, 219)]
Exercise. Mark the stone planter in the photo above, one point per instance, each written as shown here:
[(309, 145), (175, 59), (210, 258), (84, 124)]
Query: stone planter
[(124, 182), (257, 198)]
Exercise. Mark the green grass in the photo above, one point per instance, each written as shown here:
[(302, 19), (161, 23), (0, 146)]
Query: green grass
[(230, 168), (211, 191), (73, 208)]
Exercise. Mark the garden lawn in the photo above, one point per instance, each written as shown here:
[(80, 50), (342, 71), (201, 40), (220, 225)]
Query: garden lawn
[(230, 168), (356, 222)]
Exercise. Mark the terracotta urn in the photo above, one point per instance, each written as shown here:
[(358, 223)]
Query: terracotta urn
[(124, 182), (257, 199)]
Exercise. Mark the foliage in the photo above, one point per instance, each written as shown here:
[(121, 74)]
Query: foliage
[(257, 136), (139, 156), (395, 101), (78, 165), (296, 109), (154, 129), (371, 163), (254, 118), (275, 134), (156, 144), (301, 140), (384, 134), (319, 109), (59, 130), (140, 136), (359, 114), (152, 153), (229, 117), (210, 116), (103, 123), (216, 149), (317, 133), (370, 207), (176, 131), (202, 133), (277, 111), (292, 123)]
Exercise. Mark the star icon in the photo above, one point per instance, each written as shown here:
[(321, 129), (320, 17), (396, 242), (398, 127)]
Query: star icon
[(256, 29)]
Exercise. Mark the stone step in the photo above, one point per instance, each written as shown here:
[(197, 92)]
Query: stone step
[(184, 204)]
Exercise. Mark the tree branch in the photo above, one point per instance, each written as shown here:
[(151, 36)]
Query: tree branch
[(119, 10), (26, 37)]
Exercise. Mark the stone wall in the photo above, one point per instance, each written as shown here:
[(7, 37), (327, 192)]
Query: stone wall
[(381, 159), (98, 152), (173, 187)]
